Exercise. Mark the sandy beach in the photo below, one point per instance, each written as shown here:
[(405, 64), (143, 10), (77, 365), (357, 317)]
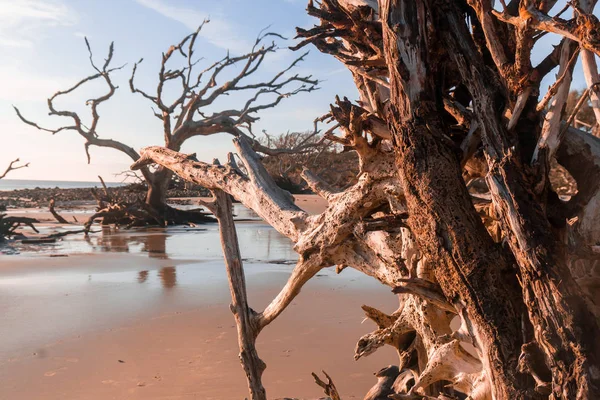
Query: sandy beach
[(143, 314)]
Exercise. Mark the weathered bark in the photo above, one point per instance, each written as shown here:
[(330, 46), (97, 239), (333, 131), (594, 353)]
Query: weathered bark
[(563, 325), (158, 184), (244, 315), (468, 265)]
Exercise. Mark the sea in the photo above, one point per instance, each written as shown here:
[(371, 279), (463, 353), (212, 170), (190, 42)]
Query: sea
[(15, 184)]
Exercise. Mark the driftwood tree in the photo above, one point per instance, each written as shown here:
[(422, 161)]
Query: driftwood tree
[(183, 101), (318, 152), (450, 101)]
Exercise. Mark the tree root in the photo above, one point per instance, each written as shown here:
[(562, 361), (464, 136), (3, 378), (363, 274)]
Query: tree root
[(328, 387), (138, 213), (9, 225)]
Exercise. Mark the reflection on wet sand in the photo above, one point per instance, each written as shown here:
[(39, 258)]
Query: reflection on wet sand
[(259, 242), (112, 240), (142, 276), (155, 244), (167, 275)]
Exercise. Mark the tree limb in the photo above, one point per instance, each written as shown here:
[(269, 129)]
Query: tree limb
[(11, 167)]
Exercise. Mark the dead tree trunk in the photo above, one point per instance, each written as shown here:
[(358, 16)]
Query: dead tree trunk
[(245, 320), (468, 265), (158, 185), (564, 327)]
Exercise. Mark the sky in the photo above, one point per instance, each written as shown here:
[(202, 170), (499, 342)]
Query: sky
[(42, 43)]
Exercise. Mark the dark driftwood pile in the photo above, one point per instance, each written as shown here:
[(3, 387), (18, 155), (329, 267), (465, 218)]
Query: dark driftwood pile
[(38, 197)]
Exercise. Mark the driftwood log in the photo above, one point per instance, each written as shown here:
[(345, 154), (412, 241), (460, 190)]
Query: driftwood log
[(59, 218), (10, 224)]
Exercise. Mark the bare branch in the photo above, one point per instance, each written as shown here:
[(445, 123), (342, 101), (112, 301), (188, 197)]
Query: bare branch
[(89, 134), (550, 136), (328, 387), (55, 214), (426, 290), (566, 72), (12, 167), (320, 187), (185, 118), (583, 30)]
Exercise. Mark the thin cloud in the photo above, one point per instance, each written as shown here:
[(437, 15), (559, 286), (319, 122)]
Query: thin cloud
[(21, 22), (25, 86), (219, 32), (336, 71)]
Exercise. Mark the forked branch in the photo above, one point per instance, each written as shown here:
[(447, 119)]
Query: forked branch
[(13, 167)]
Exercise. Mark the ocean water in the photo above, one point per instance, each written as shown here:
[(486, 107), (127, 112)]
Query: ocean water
[(15, 184)]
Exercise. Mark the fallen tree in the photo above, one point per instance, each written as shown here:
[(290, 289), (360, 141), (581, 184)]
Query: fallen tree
[(10, 224), (449, 100), (191, 112), (133, 211)]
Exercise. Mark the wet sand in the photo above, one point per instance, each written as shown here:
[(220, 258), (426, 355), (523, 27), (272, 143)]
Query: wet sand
[(143, 314), (167, 333)]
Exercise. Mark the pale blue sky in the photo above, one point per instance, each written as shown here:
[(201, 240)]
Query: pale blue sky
[(43, 47), (43, 51)]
